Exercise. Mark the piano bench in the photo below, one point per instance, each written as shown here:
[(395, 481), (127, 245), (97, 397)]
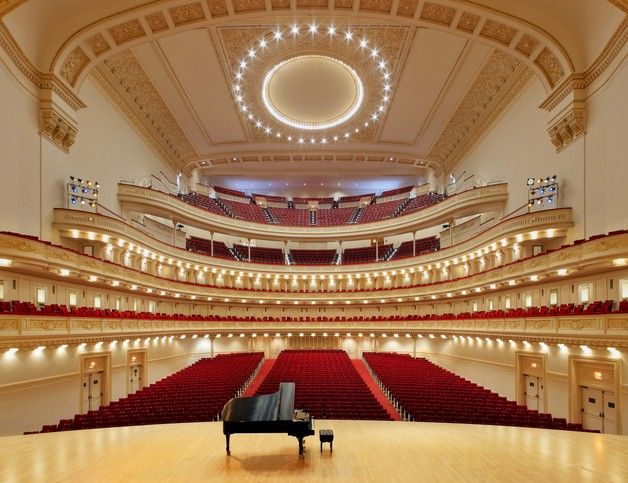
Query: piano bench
[(326, 436)]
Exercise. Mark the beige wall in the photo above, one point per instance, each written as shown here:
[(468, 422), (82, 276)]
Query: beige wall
[(592, 170), (34, 171)]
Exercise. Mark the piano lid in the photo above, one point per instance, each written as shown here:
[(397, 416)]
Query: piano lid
[(278, 406)]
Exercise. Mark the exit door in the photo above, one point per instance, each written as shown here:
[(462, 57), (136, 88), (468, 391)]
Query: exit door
[(535, 393), (135, 378), (92, 391), (599, 410)]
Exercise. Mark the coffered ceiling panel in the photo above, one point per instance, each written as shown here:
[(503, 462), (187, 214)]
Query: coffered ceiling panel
[(424, 79), (192, 57)]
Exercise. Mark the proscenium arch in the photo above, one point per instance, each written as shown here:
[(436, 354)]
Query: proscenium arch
[(535, 47)]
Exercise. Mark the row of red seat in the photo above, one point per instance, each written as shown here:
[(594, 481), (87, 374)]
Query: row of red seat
[(247, 210), (423, 391), (196, 393), (327, 385), (564, 310)]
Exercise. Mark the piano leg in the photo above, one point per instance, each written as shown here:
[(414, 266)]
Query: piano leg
[(228, 436), (301, 448)]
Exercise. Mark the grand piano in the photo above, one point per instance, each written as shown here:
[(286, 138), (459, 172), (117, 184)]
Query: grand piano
[(267, 413)]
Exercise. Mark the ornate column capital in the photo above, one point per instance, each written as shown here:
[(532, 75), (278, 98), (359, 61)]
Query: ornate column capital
[(57, 118), (567, 108)]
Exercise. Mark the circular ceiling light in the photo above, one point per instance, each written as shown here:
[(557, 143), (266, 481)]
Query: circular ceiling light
[(312, 92), (352, 116)]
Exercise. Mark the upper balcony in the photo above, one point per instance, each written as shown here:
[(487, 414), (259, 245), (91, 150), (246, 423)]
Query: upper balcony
[(133, 198)]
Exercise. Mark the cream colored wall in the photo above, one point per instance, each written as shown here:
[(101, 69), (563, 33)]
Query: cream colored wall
[(35, 171), (38, 388), (591, 171), (20, 158)]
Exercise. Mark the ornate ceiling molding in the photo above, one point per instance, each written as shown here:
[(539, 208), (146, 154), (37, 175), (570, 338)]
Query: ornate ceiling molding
[(125, 82), (525, 41), (498, 83), (567, 103), (390, 43)]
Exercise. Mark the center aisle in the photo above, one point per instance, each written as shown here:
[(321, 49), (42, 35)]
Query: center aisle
[(261, 375), (377, 392)]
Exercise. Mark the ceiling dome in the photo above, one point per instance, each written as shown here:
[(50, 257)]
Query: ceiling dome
[(312, 92)]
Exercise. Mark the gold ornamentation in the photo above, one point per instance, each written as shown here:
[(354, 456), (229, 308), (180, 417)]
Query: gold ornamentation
[(376, 5), (342, 4), (468, 22), (157, 22), (56, 126), (131, 82), (86, 324), (11, 324), (187, 13), (98, 44), (549, 64), (407, 8), (114, 324), (434, 12), (217, 8), (390, 42), (621, 324), (248, 5), (576, 324), (280, 4), (498, 32), (47, 324), (501, 79), (74, 65), (127, 31), (567, 128), (527, 44), (311, 3)]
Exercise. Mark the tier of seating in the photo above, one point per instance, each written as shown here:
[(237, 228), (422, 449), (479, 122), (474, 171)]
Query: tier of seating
[(565, 310), (327, 385), (364, 254), (423, 245), (203, 201), (421, 202), (203, 246), (379, 211), (291, 216), (424, 391), (245, 211), (298, 214), (335, 217), (313, 257), (196, 393), (262, 254)]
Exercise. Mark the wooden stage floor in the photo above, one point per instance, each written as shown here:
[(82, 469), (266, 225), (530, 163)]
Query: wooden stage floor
[(376, 451)]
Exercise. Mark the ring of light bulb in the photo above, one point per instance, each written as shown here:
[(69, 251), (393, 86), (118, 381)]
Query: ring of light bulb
[(278, 36), (312, 126)]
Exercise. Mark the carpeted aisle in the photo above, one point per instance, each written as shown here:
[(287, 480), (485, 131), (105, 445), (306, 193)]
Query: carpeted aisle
[(381, 398)]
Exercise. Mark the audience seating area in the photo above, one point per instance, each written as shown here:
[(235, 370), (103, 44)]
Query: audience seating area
[(262, 255), (203, 246), (327, 385), (196, 393), (421, 202), (564, 310), (379, 211), (427, 392), (424, 245), (237, 204)]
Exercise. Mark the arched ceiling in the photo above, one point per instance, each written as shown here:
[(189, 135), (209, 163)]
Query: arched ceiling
[(454, 66)]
